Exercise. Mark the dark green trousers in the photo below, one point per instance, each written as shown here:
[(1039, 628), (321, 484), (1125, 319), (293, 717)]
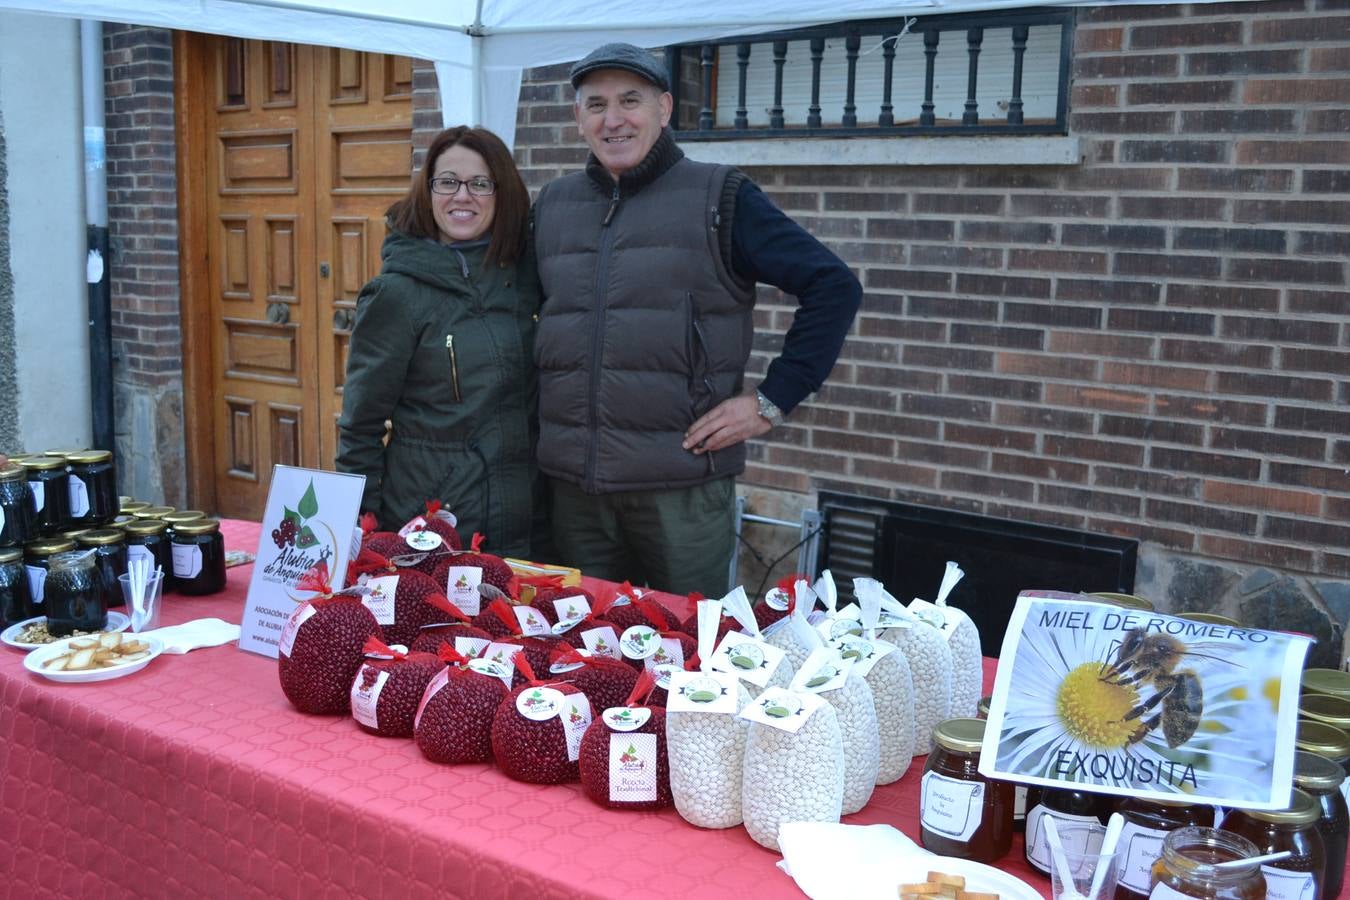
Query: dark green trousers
[(678, 540)]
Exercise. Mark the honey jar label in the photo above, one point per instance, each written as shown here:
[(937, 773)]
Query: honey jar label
[(366, 689), (632, 768), (140, 551), (187, 561), (79, 497), (37, 580), (1080, 834), (39, 490), (950, 806), (576, 718), (1281, 884), (1140, 847), (1164, 892)]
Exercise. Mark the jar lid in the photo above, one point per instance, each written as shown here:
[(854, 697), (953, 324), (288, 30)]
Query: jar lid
[(1313, 771), (44, 463), (85, 457), (64, 452), (13, 471), (74, 533), (183, 515), (197, 526), (102, 537), (1209, 618), (963, 735), (1319, 737), (130, 506), (123, 520), (153, 512), (10, 554), (1302, 810), (1329, 708), (1326, 681), (48, 546), (146, 526), (1131, 601)]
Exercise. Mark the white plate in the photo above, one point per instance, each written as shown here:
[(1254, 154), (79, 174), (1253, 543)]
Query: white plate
[(33, 662), (979, 877), (116, 622)]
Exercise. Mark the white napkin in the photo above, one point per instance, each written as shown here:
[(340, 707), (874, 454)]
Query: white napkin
[(830, 861), (194, 634)]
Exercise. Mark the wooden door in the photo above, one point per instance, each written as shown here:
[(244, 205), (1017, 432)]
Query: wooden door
[(291, 156)]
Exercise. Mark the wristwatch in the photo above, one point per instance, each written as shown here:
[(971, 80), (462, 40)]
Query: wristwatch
[(768, 410)]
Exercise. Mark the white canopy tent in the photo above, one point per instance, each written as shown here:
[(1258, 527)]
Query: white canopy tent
[(480, 47)]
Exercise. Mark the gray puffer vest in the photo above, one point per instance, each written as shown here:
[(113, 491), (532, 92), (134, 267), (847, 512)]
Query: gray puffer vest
[(642, 329)]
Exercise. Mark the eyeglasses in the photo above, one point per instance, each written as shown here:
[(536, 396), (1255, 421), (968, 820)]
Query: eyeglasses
[(479, 187)]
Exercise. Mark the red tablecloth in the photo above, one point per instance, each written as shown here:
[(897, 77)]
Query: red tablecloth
[(196, 777)]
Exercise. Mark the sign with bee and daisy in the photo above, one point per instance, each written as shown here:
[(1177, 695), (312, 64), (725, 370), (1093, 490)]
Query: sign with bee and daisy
[(1130, 702)]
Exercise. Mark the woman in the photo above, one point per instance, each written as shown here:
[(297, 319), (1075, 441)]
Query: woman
[(442, 350)]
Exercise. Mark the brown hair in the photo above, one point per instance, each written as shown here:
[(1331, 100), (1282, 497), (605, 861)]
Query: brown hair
[(412, 215)]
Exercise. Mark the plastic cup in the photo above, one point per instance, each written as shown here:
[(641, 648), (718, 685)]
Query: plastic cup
[(1080, 851), (154, 592)]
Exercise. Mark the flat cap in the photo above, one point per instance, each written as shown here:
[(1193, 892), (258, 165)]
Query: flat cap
[(622, 56)]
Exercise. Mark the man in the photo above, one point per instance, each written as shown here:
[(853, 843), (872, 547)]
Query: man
[(648, 262)]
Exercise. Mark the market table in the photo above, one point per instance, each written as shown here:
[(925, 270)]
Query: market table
[(196, 777)]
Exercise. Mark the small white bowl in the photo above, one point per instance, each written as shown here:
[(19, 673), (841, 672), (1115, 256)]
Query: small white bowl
[(33, 662)]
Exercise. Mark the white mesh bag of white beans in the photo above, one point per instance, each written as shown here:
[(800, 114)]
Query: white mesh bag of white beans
[(964, 638), (930, 665), (886, 670), (826, 674), (746, 654), (791, 775)]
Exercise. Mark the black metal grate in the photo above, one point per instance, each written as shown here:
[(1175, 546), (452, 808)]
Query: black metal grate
[(920, 53)]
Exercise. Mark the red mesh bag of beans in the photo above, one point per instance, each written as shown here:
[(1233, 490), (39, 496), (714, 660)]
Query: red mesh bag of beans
[(689, 626), (623, 761), (625, 610), (398, 595), (648, 647), (421, 543), (453, 724), (320, 647), (539, 648), (606, 682), (549, 600), (494, 570), (537, 729), (388, 688), (778, 603), (430, 637)]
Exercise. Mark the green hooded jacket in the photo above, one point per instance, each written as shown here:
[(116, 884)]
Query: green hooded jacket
[(442, 349)]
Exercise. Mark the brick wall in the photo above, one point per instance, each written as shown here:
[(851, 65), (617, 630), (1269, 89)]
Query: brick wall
[(143, 229), (1153, 344)]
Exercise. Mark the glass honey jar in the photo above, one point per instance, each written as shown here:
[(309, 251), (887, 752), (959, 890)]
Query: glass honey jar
[(15, 603), (50, 484), (1075, 811), (16, 506), (198, 557), (1147, 824), (962, 813), (37, 562), (1327, 708), (149, 539), (1322, 779), (93, 487), (1188, 866), (110, 560), (1297, 877), (74, 595), (1327, 740), (1325, 681)]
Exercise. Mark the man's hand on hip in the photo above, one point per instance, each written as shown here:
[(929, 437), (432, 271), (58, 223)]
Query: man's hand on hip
[(726, 424)]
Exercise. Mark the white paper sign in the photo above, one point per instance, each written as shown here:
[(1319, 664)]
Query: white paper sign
[(323, 507), (1141, 704)]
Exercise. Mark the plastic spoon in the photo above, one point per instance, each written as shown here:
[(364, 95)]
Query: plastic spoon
[(1060, 861), (1114, 825), (1269, 857)]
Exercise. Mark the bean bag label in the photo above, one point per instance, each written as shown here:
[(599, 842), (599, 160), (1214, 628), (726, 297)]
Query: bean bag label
[(632, 768), (626, 718), (433, 686), (864, 653), (423, 540), (461, 586), (639, 642), (572, 609), (782, 709), (949, 806), (531, 621), (503, 672), (602, 641), (292, 627), (471, 647), (539, 704), (576, 718), (502, 655), (668, 653), (777, 599), (750, 660), (380, 600), (366, 695), (943, 618), (663, 674), (558, 668), (707, 692), (822, 671)]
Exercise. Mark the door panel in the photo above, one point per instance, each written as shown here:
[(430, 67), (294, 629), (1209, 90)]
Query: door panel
[(303, 149)]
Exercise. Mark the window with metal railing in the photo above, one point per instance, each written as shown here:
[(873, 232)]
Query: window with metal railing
[(974, 74)]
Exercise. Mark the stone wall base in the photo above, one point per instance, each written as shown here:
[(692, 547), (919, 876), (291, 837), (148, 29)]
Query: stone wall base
[(150, 460)]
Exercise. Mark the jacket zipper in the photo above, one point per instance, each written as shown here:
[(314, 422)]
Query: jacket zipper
[(454, 368), (601, 265), (705, 357)]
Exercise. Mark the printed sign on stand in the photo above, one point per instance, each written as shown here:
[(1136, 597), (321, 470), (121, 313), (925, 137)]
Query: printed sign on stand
[(308, 521), (1142, 704)]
